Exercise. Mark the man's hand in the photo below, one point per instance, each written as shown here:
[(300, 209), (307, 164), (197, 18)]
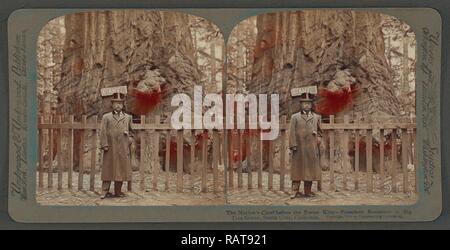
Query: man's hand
[(105, 148)]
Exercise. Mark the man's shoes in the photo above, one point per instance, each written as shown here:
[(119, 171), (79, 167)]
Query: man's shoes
[(297, 195), (119, 195), (310, 195), (106, 195)]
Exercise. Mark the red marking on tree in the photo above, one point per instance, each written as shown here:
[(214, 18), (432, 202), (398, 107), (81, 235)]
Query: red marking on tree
[(333, 102), (187, 147), (200, 138), (78, 66), (146, 101), (375, 148), (234, 156)]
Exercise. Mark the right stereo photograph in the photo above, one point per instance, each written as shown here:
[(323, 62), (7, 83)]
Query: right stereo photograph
[(345, 83)]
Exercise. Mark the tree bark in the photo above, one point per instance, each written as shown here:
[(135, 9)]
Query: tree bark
[(331, 49), (150, 52), (342, 52)]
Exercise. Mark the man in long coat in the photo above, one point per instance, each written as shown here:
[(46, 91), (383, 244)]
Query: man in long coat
[(115, 141), (304, 145)]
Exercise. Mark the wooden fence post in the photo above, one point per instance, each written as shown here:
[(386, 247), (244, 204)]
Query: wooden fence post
[(260, 161), (249, 157), (81, 153), (71, 142), (216, 152), (248, 149), (221, 161), (180, 145), (369, 170), (59, 152), (271, 154), (283, 153), (167, 165), (404, 160), (394, 160), (192, 163), (332, 156), (345, 152), (141, 160), (93, 155), (231, 161), (156, 166), (382, 159), (41, 154), (50, 164), (204, 160), (357, 141), (416, 161), (240, 157)]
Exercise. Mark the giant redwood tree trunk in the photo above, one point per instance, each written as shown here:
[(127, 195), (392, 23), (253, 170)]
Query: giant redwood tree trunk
[(150, 52), (340, 51), (144, 50)]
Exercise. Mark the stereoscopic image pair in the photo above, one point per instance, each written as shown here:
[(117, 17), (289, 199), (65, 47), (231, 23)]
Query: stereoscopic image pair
[(158, 108)]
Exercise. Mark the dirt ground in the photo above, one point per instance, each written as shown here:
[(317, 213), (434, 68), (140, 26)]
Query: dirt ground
[(380, 196), (192, 194)]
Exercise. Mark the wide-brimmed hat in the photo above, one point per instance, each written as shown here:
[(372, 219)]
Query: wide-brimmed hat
[(118, 97)]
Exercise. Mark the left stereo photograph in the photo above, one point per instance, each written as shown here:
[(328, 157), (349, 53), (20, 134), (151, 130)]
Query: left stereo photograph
[(105, 84)]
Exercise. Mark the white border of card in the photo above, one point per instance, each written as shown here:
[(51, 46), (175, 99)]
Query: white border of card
[(23, 29)]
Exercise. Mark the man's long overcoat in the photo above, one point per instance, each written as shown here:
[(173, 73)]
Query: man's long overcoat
[(116, 134), (303, 136)]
